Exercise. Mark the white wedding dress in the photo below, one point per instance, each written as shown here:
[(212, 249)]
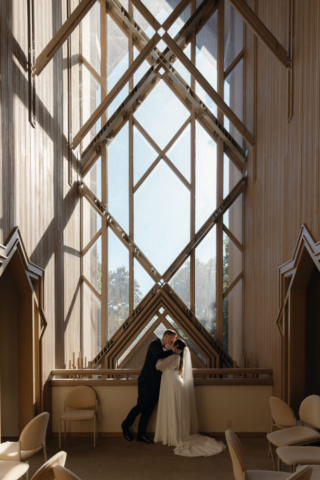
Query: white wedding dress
[(177, 423)]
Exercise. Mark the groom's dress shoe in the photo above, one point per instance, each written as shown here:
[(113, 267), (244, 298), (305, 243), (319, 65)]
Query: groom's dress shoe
[(143, 438), (126, 433)]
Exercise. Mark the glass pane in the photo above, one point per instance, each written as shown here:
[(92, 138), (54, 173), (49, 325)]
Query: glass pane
[(143, 23), (90, 29), (232, 323), (206, 176), (170, 114), (143, 154), (159, 331), (162, 216), (144, 67), (185, 338), (181, 69), (137, 339), (161, 310), (233, 96), (233, 34), (180, 153), (91, 323), (233, 218), (91, 99), (119, 99), (118, 283), (180, 282), (161, 9), (206, 59), (179, 23), (142, 283), (93, 179), (117, 53), (232, 261), (231, 175), (206, 254), (92, 264), (91, 222), (118, 178)]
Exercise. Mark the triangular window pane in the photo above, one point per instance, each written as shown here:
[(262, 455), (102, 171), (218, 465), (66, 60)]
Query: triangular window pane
[(231, 175), (233, 218), (180, 22), (142, 283), (117, 53), (180, 153), (142, 22), (143, 154), (232, 323), (159, 331), (181, 69), (160, 9), (92, 264), (232, 262), (118, 283), (137, 339), (91, 222), (180, 282), (118, 178)]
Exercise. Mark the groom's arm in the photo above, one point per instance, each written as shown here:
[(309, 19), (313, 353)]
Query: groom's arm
[(158, 352)]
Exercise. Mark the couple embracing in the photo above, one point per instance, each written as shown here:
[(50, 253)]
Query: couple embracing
[(167, 376)]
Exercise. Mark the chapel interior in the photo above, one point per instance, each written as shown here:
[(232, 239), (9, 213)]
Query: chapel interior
[(159, 169)]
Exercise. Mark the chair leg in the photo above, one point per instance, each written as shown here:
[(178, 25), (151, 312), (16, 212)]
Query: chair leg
[(65, 429), (94, 430), (27, 473), (272, 456), (60, 434), (97, 425), (45, 451), (279, 464)]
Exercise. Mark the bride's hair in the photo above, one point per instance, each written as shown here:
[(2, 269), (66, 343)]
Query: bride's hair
[(181, 344)]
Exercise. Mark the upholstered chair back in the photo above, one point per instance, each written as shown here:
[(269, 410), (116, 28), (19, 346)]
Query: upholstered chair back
[(235, 449), (81, 397)]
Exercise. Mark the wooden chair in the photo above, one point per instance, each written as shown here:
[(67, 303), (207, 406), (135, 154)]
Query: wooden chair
[(300, 435), (46, 471), (32, 439), (241, 473), (80, 401), (62, 473)]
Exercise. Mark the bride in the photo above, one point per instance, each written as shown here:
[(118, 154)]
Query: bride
[(177, 423)]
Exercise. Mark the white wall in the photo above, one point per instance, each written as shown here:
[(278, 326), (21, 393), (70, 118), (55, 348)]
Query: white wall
[(246, 406)]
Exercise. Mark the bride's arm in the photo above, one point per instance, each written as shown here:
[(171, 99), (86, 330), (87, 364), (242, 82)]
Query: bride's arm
[(170, 363)]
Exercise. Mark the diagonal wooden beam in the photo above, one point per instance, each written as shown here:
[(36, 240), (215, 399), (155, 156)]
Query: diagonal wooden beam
[(208, 88), (175, 14), (145, 12), (85, 191), (115, 91), (61, 36), (261, 30)]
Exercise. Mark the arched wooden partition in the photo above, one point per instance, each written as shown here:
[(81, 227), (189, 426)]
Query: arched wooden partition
[(294, 279), (27, 281)]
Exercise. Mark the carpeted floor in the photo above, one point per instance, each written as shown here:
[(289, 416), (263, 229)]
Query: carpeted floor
[(115, 458)]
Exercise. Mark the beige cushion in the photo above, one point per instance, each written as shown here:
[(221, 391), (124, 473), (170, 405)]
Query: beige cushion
[(9, 469), (78, 415), (9, 451), (81, 397), (293, 436), (266, 475), (299, 455)]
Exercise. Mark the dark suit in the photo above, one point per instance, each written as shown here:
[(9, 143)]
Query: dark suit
[(148, 387)]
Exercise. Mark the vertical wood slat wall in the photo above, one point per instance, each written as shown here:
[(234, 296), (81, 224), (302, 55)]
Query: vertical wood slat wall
[(34, 190), (286, 192)]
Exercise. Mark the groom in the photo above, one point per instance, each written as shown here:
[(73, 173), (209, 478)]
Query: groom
[(149, 386)]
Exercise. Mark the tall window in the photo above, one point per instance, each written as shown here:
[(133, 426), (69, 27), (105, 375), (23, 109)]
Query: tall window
[(157, 163)]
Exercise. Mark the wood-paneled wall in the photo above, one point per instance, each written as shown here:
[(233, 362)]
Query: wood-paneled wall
[(286, 191), (34, 190)]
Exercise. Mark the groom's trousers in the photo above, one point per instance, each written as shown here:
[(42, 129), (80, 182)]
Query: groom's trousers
[(147, 399)]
